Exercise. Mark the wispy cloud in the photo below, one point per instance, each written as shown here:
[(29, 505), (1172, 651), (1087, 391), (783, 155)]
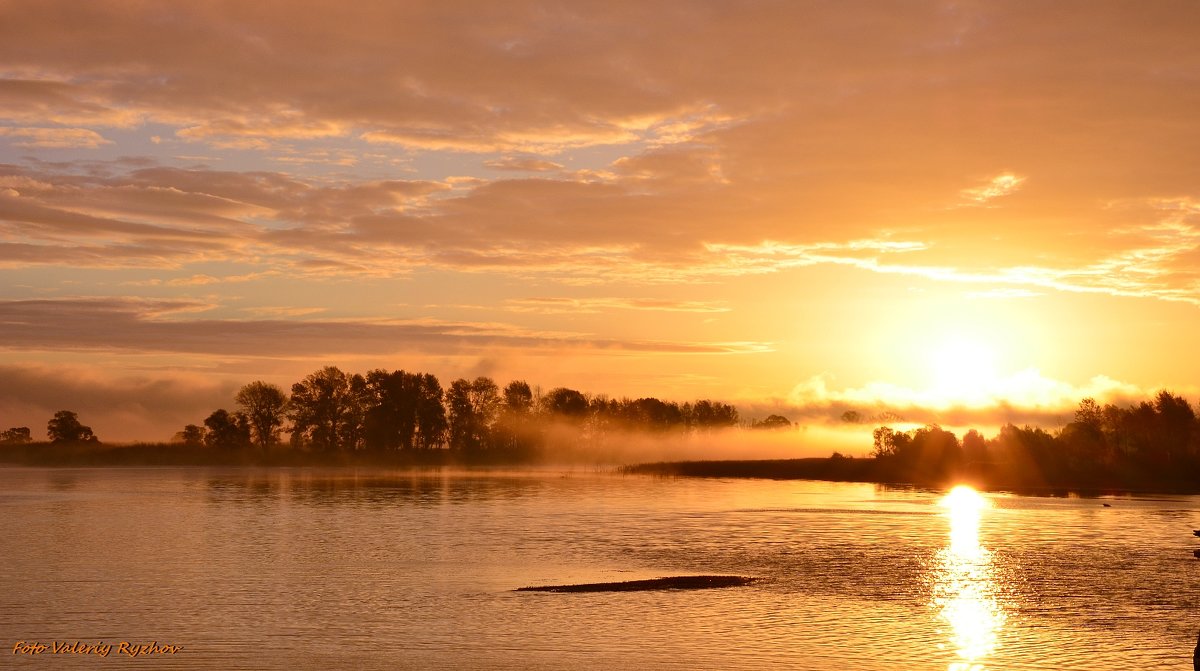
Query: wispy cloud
[(155, 326), (54, 138), (997, 187), (559, 305), (523, 164)]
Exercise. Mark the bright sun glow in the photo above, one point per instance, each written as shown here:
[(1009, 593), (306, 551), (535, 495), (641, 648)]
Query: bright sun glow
[(964, 505), (965, 590), (963, 371)]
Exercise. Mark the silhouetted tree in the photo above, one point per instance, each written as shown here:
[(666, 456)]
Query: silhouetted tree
[(432, 423), (17, 435), (651, 414), (936, 454), (563, 403), (1175, 425), (708, 414), (1026, 454), (514, 430), (403, 411), (1090, 413), (191, 435), (974, 447), (327, 408), (390, 421), (518, 398), (264, 405), (473, 407), (227, 430), (772, 422), (65, 428), (887, 442)]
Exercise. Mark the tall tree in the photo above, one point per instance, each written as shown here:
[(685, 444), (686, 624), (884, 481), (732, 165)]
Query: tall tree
[(264, 405), (514, 430), (432, 423), (518, 398), (403, 411), (326, 409), (473, 408), (565, 404), (65, 428)]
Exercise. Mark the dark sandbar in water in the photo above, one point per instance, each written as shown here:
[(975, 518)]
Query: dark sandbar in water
[(673, 582)]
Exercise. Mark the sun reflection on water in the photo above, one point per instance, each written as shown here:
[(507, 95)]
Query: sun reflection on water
[(965, 591)]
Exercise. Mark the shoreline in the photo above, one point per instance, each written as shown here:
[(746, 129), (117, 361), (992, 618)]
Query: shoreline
[(825, 469), (874, 471)]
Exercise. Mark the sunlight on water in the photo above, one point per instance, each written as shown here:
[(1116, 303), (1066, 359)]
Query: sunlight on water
[(291, 569), (965, 592)]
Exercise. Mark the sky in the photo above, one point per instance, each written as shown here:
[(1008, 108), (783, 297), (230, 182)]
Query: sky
[(967, 213)]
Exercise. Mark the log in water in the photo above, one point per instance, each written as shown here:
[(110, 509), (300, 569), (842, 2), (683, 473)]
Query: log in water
[(671, 582)]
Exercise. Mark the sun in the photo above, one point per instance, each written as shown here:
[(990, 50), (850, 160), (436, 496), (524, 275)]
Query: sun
[(962, 370)]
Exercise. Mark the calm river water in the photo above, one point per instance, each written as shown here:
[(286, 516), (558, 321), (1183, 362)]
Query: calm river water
[(315, 569)]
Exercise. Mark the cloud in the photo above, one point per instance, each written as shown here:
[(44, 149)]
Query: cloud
[(999, 186), (1025, 397), (523, 164), (662, 218), (557, 305), (55, 138), (140, 326), (121, 408)]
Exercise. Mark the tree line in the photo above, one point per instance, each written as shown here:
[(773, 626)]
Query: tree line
[(331, 410), (63, 427), (1151, 442)]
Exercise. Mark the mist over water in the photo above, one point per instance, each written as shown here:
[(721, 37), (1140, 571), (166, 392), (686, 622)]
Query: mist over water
[(329, 568), (563, 445)]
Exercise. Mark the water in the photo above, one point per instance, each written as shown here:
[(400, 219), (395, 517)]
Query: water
[(307, 569)]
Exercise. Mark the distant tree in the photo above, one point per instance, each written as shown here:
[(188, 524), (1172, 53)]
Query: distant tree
[(431, 414), (564, 403), (327, 408), (226, 430), (264, 405), (851, 417), (473, 408), (1090, 413), (65, 428), (935, 454), (888, 442), (651, 414), (974, 446), (518, 398), (514, 429), (1083, 449), (191, 436), (1026, 452), (17, 435), (390, 420), (772, 422), (403, 411), (1176, 422), (706, 414)]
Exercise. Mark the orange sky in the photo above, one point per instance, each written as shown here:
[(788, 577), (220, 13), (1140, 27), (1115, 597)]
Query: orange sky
[(960, 212)]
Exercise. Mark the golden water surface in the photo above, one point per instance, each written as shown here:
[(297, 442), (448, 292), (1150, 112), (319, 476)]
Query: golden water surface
[(328, 569)]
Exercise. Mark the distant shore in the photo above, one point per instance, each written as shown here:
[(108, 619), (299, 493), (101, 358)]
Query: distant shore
[(877, 471), (169, 454), (831, 469)]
